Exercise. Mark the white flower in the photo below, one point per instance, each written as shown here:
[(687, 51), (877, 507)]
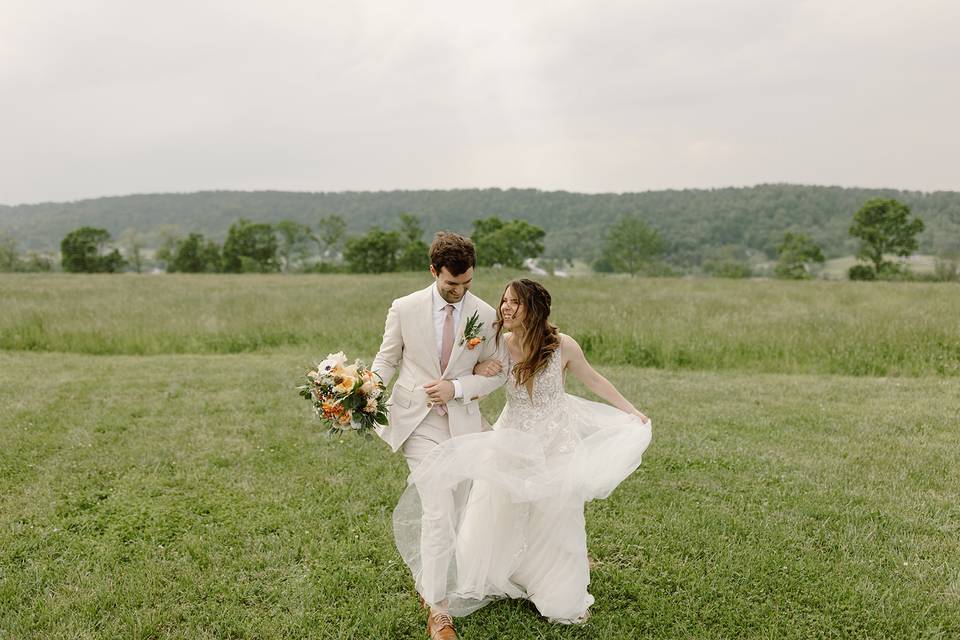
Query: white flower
[(331, 361)]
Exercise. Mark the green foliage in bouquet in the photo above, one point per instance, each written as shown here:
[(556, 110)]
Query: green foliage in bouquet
[(345, 397)]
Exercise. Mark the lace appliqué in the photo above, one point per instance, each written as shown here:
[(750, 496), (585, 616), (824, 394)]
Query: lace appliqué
[(543, 415)]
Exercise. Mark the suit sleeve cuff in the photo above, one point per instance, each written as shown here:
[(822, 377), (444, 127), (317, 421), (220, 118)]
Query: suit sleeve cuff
[(457, 390)]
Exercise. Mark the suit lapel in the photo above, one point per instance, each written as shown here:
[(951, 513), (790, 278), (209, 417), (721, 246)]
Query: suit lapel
[(429, 332), (468, 309)]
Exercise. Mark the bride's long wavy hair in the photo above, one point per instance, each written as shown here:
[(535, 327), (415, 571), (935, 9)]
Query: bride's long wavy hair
[(540, 337)]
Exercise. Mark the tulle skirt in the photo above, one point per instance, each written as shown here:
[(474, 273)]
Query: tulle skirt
[(514, 525)]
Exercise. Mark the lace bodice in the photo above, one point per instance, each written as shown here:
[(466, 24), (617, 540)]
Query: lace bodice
[(547, 386), (542, 415)]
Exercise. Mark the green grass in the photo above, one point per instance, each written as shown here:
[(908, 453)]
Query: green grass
[(891, 329), (160, 478), (192, 497)]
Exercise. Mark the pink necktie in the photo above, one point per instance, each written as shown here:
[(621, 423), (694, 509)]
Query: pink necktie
[(446, 348)]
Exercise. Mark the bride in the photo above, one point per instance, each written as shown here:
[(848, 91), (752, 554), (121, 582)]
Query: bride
[(518, 530)]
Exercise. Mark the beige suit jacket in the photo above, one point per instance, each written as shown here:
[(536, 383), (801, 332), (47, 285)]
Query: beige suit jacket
[(409, 350)]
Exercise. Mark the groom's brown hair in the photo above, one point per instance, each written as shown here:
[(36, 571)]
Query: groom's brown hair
[(453, 251)]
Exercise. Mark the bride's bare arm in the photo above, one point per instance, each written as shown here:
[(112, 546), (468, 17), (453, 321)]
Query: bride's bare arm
[(492, 366), (488, 368), (577, 364)]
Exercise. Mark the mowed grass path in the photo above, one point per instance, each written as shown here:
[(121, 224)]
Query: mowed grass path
[(848, 328), (189, 496)]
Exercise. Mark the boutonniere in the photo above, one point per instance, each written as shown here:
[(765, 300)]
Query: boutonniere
[(471, 333)]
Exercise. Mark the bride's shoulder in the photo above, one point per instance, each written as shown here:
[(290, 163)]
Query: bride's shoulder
[(569, 348)]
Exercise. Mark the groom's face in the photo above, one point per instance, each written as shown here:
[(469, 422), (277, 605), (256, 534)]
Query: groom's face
[(452, 288)]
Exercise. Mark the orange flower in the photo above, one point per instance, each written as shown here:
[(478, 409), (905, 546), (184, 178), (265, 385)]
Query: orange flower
[(474, 342), (344, 383), (331, 409)]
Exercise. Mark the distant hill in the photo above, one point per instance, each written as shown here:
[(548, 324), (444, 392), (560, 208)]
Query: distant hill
[(692, 221)]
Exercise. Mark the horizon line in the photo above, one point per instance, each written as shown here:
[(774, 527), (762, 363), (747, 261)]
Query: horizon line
[(455, 189)]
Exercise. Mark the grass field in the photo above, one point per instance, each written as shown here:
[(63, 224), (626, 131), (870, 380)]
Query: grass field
[(174, 486), (897, 329)]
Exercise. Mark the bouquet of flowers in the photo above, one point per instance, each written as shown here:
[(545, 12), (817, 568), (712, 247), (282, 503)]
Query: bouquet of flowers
[(345, 396)]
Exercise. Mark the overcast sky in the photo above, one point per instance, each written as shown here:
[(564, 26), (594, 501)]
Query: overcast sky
[(113, 97)]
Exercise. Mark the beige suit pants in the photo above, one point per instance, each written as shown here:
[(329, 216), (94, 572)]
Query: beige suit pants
[(436, 525)]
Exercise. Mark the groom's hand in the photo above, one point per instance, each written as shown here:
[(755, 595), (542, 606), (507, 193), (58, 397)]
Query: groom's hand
[(439, 391)]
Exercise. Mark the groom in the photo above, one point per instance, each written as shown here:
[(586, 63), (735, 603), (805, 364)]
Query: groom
[(428, 340)]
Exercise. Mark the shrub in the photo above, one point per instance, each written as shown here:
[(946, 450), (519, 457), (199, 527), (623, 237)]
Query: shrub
[(862, 272)]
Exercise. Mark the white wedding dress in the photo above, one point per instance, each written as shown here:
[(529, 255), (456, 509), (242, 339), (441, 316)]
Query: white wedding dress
[(518, 528)]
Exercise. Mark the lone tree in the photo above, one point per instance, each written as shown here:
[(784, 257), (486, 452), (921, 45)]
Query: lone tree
[(631, 245), (84, 250), (250, 247), (884, 228), (506, 243), (797, 253)]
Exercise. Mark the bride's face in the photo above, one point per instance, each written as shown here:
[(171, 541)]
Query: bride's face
[(511, 310)]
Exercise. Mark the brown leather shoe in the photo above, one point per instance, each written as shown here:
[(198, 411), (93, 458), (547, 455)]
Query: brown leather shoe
[(440, 627)]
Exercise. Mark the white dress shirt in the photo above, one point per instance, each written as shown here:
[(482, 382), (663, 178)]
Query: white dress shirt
[(439, 315)]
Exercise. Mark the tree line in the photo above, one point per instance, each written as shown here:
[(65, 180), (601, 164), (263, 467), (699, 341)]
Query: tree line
[(289, 246), (702, 230), (883, 228), (12, 261)]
